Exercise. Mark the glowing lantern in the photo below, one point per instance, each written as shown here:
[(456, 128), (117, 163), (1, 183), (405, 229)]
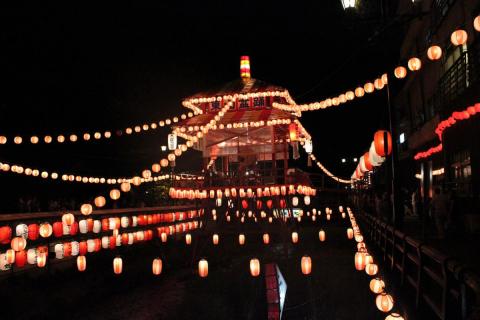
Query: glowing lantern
[(368, 259), (86, 209), (306, 200), (45, 230), (5, 234), (241, 239), (125, 186), (18, 243), (394, 316), (377, 285), (359, 92), (383, 140), (269, 204), (384, 302), (10, 256), (294, 237), (156, 167), (254, 267), (378, 83), (459, 37), (82, 264), (136, 181), (400, 72), (266, 238), (115, 194), (100, 201), (295, 201), (434, 53), (117, 265), (20, 258), (360, 261), (414, 64), (292, 130), (350, 233), (188, 238), (306, 264), (215, 239), (476, 23), (157, 266), (41, 259), (68, 219), (369, 87), (244, 204), (321, 235), (371, 269), (163, 236), (203, 268)]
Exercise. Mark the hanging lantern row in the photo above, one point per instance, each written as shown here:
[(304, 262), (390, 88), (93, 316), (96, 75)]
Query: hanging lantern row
[(279, 190), (38, 256), (98, 135), (380, 148), (364, 261), (69, 227), (458, 38), (456, 117)]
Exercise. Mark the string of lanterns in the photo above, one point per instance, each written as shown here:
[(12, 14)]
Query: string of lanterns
[(380, 148), (434, 52), (443, 125)]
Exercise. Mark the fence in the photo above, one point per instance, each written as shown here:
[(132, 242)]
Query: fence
[(439, 282)]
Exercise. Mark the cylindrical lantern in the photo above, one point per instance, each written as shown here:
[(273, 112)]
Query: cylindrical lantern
[(203, 268), (117, 265), (476, 23), (384, 302), (215, 239), (157, 266), (321, 235), (359, 261), (10, 256), (254, 267), (292, 130), (306, 264), (241, 239), (377, 285), (266, 238), (294, 237), (41, 259), (459, 37), (434, 53), (18, 243), (82, 263), (383, 142), (163, 236), (394, 316), (68, 219), (295, 201), (188, 238), (350, 233), (371, 269), (306, 200)]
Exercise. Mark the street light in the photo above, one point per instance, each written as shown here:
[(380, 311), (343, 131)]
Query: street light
[(355, 159), (349, 4), (164, 148), (344, 160)]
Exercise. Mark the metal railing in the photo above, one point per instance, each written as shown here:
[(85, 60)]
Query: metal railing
[(439, 282)]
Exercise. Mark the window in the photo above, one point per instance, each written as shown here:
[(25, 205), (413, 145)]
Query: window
[(258, 102), (243, 104), (462, 171), (215, 106)]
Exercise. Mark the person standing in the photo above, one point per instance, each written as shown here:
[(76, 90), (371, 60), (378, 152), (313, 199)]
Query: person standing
[(440, 208)]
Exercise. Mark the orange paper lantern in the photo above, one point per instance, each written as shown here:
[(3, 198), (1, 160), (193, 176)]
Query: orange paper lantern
[(306, 265), (82, 263), (157, 266), (203, 268), (459, 37), (254, 267), (434, 53), (117, 265)]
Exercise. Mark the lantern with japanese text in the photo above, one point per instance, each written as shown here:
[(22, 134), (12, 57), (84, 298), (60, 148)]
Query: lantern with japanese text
[(203, 268), (117, 265), (306, 265), (82, 263), (157, 266), (384, 302), (254, 267)]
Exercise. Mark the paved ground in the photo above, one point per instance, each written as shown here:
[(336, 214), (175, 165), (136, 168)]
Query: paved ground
[(335, 290)]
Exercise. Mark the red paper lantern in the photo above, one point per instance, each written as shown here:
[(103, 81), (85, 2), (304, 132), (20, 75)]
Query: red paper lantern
[(259, 204), (33, 231), (283, 203), (269, 203), (380, 142), (244, 204), (57, 229), (82, 248), (5, 234), (20, 258)]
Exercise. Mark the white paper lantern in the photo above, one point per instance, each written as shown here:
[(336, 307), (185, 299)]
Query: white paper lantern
[(4, 266), (134, 221), (32, 256), (97, 226), (124, 222), (22, 230), (59, 251), (105, 242), (75, 248), (83, 226), (90, 245)]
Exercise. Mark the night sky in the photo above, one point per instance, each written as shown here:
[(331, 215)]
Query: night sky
[(71, 71)]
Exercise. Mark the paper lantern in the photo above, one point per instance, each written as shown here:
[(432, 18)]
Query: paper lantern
[(292, 130), (350, 233), (20, 258), (383, 140), (31, 256), (86, 209), (115, 194), (163, 236), (283, 203), (68, 219), (157, 266), (371, 269), (295, 201), (18, 243), (294, 237), (306, 200), (360, 261), (136, 181), (125, 186), (476, 23), (117, 265), (241, 239), (459, 37), (3, 262), (100, 201), (188, 238), (41, 259), (215, 239), (434, 53), (384, 302), (394, 316), (45, 230), (244, 204), (306, 265), (414, 64), (203, 268), (377, 285), (5, 234), (82, 264), (266, 238), (10, 256), (21, 230), (400, 72), (359, 92), (254, 267), (378, 83), (321, 235)]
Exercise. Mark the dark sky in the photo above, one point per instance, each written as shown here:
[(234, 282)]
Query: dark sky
[(76, 70)]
